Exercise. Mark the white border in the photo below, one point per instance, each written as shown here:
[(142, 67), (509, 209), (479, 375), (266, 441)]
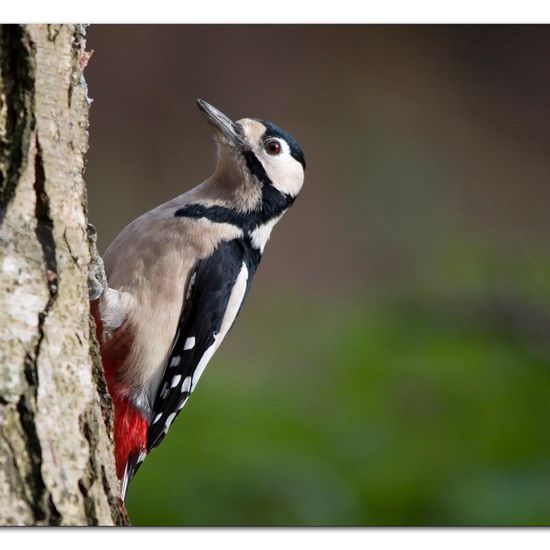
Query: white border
[(277, 539), (276, 11), (279, 11)]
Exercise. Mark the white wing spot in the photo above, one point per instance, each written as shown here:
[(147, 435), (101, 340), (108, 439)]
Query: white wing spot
[(164, 391), (175, 380), (141, 457), (157, 418), (175, 361), (186, 386), (189, 343), (169, 421)]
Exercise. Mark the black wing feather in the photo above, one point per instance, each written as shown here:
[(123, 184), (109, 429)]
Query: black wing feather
[(202, 315)]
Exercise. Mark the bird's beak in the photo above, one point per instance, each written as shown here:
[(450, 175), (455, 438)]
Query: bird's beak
[(221, 123)]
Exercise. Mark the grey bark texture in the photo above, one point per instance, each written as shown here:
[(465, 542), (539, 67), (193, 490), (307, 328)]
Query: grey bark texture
[(56, 456)]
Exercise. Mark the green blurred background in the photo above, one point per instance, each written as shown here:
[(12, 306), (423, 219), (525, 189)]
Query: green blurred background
[(392, 363)]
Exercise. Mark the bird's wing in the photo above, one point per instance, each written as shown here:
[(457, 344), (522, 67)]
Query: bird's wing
[(213, 299)]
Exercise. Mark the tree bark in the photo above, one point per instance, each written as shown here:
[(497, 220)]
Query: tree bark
[(56, 456)]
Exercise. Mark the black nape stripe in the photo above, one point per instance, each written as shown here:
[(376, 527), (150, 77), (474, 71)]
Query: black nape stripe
[(274, 204), (219, 214)]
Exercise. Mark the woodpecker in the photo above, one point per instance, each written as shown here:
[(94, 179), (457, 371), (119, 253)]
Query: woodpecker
[(177, 276)]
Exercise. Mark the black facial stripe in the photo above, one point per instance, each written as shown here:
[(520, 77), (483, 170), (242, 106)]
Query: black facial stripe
[(256, 168), (272, 130), (273, 203)]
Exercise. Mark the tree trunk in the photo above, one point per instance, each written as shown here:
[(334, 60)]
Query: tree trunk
[(56, 457)]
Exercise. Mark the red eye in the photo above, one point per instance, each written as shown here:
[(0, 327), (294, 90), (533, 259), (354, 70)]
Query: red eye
[(272, 147)]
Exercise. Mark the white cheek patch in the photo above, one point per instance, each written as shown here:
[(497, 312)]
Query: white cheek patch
[(284, 171), (284, 146)]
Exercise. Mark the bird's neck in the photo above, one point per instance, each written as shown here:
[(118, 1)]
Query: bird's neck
[(233, 190)]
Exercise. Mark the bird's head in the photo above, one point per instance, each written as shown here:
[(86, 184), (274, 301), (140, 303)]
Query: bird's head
[(259, 149)]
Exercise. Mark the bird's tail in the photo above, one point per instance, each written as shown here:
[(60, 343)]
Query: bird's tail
[(135, 460)]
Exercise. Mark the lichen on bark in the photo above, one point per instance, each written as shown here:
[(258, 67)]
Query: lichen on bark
[(56, 460)]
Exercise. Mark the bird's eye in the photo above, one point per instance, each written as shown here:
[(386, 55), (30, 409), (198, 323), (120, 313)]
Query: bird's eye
[(272, 147)]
